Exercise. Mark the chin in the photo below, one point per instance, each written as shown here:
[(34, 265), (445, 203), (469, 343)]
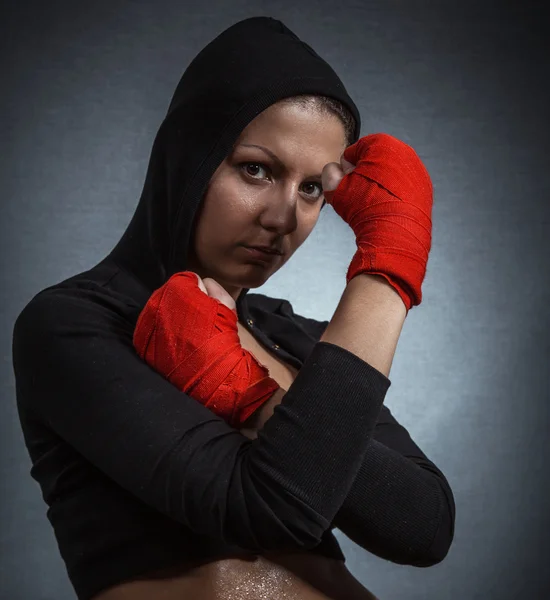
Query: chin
[(247, 273), (254, 275), (253, 280)]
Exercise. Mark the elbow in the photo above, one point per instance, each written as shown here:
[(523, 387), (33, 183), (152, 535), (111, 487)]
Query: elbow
[(444, 535), (280, 540), (298, 533), (285, 521), (441, 543), (285, 525), (432, 558)]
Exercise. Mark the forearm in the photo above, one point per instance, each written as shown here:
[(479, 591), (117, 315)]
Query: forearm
[(368, 321)]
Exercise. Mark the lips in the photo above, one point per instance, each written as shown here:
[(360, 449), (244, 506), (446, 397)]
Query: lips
[(266, 258), (266, 249)]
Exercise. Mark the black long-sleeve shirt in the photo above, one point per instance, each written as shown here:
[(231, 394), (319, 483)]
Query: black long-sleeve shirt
[(139, 476)]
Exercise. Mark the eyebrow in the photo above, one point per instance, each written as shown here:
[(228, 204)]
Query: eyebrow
[(275, 157)]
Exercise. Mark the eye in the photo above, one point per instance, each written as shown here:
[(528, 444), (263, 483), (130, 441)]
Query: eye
[(319, 187), (244, 165), (265, 168)]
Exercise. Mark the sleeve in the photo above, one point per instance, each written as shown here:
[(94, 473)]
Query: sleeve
[(400, 506), (76, 369)]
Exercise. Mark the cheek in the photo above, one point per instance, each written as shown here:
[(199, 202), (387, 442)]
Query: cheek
[(223, 219), (228, 198), (218, 204)]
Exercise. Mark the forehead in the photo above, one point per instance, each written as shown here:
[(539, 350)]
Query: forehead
[(287, 118), (290, 131)]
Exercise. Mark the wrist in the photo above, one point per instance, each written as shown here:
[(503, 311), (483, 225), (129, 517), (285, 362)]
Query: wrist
[(258, 419), (381, 292)]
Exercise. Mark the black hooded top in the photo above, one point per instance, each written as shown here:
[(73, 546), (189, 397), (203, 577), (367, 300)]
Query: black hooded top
[(139, 476)]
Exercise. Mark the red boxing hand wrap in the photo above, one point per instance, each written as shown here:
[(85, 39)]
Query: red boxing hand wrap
[(387, 200), (193, 341)]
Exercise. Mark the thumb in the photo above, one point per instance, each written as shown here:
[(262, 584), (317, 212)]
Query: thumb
[(333, 173), (346, 165), (215, 290), (200, 283), (331, 176)]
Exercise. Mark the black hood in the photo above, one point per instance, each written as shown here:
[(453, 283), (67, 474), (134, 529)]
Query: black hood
[(245, 69)]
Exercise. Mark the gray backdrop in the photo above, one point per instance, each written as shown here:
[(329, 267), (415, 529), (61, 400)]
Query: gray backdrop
[(85, 87)]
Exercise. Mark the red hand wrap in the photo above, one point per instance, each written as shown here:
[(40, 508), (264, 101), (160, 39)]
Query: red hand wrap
[(387, 200), (193, 341)]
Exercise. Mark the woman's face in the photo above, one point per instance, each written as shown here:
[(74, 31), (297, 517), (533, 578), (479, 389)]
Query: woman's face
[(254, 200)]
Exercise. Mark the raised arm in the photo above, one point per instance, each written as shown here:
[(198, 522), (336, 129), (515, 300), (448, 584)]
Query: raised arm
[(400, 506), (367, 322)]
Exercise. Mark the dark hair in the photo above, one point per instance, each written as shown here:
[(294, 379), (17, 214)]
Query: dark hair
[(329, 106)]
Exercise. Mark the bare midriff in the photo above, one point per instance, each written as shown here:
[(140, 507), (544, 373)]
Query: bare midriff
[(303, 576), (271, 576)]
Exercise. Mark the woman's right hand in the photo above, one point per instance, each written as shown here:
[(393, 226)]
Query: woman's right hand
[(387, 200), (187, 331), (213, 289)]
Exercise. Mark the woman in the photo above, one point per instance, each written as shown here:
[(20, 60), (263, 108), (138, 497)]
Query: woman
[(150, 492)]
